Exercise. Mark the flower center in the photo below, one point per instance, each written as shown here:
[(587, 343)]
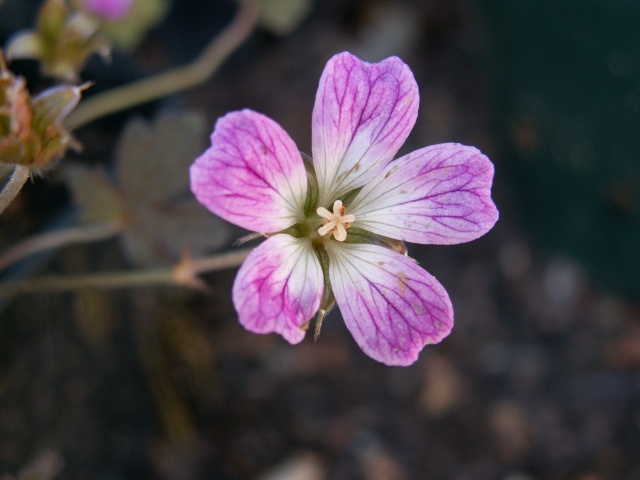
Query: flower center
[(337, 222)]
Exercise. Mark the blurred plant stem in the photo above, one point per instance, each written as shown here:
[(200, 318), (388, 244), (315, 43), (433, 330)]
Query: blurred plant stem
[(175, 80), (13, 186), (184, 273), (60, 238)]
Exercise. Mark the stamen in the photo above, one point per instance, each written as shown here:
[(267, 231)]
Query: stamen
[(337, 222), (326, 228)]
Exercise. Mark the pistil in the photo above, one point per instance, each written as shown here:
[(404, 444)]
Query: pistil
[(337, 222)]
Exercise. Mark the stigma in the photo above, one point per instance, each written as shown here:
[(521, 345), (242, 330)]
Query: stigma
[(335, 223)]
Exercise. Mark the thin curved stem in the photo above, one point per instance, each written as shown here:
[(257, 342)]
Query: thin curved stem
[(143, 278), (175, 80), (57, 239), (13, 186)]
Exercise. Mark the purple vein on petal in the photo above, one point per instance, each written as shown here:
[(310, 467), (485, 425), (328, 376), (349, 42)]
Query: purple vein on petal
[(252, 175), (392, 307), (362, 115), (440, 194), (279, 287)]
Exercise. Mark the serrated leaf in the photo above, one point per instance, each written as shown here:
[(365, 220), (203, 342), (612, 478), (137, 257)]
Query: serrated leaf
[(94, 193), (153, 183), (153, 161), (160, 236), (153, 175)]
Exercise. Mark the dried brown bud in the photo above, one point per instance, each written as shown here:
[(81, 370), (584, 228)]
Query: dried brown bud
[(31, 130)]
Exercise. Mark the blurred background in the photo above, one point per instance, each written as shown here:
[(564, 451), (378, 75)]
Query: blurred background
[(540, 378)]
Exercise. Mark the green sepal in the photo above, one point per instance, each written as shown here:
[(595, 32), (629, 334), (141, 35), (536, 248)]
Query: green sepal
[(24, 45), (12, 151), (311, 202), (51, 19), (52, 106), (358, 235), (31, 130), (5, 125), (294, 231), (348, 197), (328, 300)]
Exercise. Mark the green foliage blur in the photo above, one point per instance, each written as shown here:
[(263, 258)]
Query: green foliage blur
[(568, 110)]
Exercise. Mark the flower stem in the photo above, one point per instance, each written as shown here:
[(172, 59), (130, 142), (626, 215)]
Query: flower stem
[(175, 80), (142, 278), (57, 239), (13, 186)]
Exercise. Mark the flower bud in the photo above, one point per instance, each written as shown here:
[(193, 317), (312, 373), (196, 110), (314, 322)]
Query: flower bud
[(63, 40), (31, 130)]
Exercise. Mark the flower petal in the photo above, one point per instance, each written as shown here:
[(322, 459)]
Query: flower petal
[(391, 306), (362, 115), (438, 195), (278, 287), (252, 175)]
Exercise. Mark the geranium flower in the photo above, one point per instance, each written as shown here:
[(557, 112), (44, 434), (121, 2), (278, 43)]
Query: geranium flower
[(335, 223)]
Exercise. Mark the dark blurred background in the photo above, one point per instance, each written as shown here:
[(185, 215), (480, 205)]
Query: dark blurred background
[(540, 378)]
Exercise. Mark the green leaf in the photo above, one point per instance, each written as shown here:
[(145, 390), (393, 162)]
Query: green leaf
[(153, 161), (153, 174), (94, 193), (158, 236), (163, 219)]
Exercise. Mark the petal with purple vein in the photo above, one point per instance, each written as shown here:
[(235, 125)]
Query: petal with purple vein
[(391, 306), (278, 287), (362, 115), (252, 175), (436, 195)]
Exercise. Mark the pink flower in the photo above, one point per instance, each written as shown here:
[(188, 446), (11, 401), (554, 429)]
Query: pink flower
[(335, 224), (110, 9)]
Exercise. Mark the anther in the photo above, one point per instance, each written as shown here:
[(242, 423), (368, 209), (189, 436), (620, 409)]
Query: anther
[(337, 222)]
